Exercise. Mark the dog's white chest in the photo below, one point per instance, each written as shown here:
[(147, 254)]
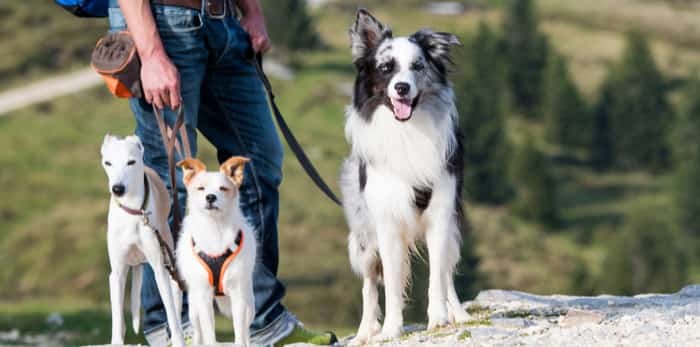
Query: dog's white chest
[(383, 183), (415, 150), (124, 238)]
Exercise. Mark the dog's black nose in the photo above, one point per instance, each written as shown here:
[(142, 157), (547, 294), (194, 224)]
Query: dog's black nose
[(402, 88), (211, 198), (118, 189)]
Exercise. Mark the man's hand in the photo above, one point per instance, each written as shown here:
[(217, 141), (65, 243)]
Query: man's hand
[(253, 22), (161, 82), (159, 77)]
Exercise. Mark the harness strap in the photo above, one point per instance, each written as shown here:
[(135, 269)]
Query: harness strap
[(216, 265)]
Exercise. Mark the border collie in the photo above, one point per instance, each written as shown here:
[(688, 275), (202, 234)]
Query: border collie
[(402, 180)]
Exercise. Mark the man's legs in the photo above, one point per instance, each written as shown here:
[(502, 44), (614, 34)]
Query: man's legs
[(235, 118)]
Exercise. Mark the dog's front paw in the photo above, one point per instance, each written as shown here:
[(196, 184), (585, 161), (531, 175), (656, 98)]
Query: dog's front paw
[(437, 323), (389, 332), (359, 340), (437, 314), (437, 318), (460, 316), (365, 333)]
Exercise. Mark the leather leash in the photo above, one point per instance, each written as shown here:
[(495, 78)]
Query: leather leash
[(170, 142), (289, 136)]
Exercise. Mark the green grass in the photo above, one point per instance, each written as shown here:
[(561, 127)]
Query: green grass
[(40, 38), (53, 211)]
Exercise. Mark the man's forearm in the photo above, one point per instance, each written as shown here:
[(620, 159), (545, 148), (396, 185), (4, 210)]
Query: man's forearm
[(250, 7), (139, 20)]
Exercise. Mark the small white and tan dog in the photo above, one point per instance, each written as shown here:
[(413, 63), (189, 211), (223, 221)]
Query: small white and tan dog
[(138, 217), (216, 253)]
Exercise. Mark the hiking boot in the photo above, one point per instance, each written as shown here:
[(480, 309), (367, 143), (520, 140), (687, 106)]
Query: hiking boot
[(302, 335), (160, 337), (287, 329)]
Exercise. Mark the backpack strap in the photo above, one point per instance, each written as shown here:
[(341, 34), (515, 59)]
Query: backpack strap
[(85, 8)]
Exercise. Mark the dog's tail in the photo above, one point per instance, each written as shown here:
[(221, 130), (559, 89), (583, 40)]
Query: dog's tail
[(136, 278)]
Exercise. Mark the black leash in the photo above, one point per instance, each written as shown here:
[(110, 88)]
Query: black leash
[(291, 140)]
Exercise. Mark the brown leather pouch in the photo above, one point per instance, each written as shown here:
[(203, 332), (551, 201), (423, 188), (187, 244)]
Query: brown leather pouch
[(116, 60)]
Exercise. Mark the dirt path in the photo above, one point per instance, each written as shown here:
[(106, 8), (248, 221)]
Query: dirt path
[(76, 81), (47, 89)]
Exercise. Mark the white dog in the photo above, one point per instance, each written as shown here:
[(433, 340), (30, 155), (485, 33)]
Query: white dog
[(402, 181), (138, 214), (216, 253)]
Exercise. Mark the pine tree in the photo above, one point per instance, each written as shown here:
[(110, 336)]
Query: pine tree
[(536, 187), (686, 150), (527, 56), (290, 25), (601, 143), (647, 256), (479, 86), (638, 111), (567, 119)]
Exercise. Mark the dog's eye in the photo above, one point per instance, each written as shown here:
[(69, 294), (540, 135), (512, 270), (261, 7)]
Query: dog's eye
[(200, 188), (108, 163), (223, 189), (417, 66), (386, 67), (131, 162)]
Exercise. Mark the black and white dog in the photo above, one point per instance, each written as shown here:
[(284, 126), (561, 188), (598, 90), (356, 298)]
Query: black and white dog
[(402, 181)]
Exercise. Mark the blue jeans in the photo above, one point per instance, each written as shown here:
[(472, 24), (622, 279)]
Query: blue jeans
[(223, 98)]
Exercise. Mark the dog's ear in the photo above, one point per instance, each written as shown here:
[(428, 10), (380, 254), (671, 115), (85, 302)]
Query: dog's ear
[(135, 140), (366, 33), (107, 139), (233, 169), (437, 45), (190, 168)]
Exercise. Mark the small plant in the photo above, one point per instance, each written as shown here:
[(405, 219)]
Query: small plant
[(475, 322), (478, 310), (464, 335)]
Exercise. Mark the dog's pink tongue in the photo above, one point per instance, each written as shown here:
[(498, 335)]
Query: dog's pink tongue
[(402, 108)]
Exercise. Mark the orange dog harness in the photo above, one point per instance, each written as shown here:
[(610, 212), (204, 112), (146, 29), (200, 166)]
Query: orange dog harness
[(216, 264)]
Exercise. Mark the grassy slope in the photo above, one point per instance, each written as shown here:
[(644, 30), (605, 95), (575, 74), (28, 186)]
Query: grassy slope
[(40, 38), (54, 203)]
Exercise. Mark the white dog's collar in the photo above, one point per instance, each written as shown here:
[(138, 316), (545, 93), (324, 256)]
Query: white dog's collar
[(144, 204)]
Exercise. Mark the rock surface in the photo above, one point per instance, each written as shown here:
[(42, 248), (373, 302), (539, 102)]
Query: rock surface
[(510, 318)]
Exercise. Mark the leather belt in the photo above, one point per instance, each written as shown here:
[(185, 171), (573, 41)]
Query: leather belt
[(215, 8)]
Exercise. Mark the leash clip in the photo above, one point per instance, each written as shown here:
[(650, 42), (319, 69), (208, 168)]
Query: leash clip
[(144, 218)]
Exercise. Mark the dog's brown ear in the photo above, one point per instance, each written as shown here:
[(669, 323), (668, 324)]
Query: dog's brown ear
[(190, 168), (233, 169)]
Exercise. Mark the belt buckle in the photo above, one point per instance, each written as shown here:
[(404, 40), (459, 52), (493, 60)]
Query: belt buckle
[(212, 8)]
